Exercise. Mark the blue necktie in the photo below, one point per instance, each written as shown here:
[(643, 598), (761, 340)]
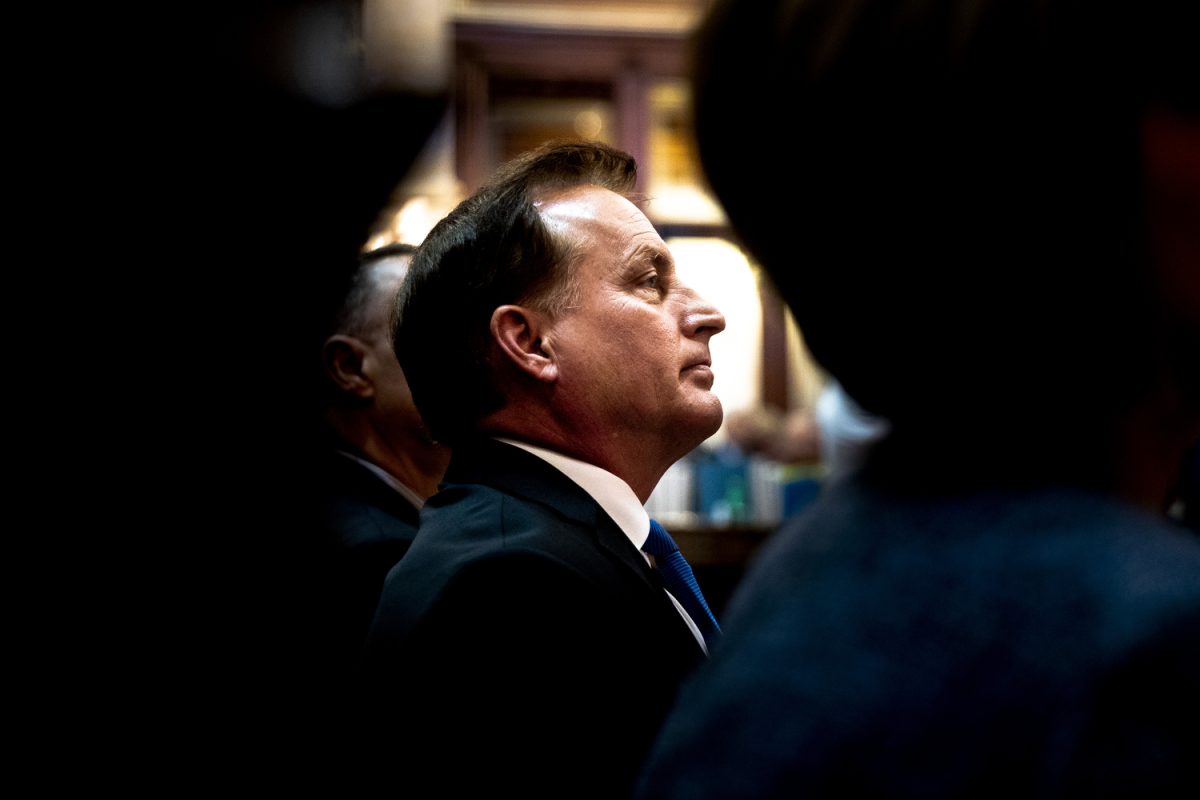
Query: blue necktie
[(677, 575)]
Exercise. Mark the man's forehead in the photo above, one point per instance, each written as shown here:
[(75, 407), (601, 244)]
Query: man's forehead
[(586, 203)]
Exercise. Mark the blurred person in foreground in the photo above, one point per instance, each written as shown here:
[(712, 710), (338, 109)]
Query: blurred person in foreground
[(990, 238), (381, 463), (525, 643)]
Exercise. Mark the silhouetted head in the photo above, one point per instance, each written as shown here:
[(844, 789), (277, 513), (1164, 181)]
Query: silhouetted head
[(953, 199)]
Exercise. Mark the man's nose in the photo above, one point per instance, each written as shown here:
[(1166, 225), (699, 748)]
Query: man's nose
[(700, 317)]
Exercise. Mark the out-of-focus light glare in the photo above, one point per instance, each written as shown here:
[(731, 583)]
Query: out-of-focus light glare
[(589, 123), (412, 223), (684, 203)]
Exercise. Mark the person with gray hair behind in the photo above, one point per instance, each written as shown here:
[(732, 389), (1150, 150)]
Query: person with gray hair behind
[(380, 462)]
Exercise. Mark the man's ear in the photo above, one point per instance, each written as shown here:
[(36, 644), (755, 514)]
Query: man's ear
[(518, 331), (343, 357)]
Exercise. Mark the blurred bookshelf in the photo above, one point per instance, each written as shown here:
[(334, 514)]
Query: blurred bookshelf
[(720, 505)]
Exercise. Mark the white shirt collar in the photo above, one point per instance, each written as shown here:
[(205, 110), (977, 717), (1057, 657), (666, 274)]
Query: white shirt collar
[(617, 499), (613, 494), (392, 481)]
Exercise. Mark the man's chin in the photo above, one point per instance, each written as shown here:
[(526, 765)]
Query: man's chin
[(707, 419)]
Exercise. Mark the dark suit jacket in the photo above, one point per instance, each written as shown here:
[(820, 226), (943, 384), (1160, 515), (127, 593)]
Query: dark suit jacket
[(365, 527), (983, 644), (523, 643)]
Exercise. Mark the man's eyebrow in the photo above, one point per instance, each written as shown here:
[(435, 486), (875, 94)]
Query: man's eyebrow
[(652, 254)]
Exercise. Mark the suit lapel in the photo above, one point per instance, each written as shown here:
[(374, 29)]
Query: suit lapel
[(522, 474), (519, 473)]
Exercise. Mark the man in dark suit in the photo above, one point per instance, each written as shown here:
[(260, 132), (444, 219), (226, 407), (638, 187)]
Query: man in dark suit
[(525, 643), (380, 462), (987, 229)]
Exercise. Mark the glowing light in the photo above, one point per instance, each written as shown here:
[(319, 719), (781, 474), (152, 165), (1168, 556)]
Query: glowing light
[(589, 123)]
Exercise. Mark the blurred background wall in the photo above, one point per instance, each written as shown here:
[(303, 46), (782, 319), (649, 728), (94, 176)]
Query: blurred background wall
[(518, 73)]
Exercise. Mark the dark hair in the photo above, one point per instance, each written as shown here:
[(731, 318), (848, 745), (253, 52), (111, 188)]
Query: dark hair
[(957, 221), (492, 249)]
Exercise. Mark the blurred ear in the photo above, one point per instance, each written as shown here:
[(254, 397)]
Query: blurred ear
[(518, 332), (343, 357)]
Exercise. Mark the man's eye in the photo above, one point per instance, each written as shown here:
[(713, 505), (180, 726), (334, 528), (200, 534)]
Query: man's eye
[(651, 280)]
